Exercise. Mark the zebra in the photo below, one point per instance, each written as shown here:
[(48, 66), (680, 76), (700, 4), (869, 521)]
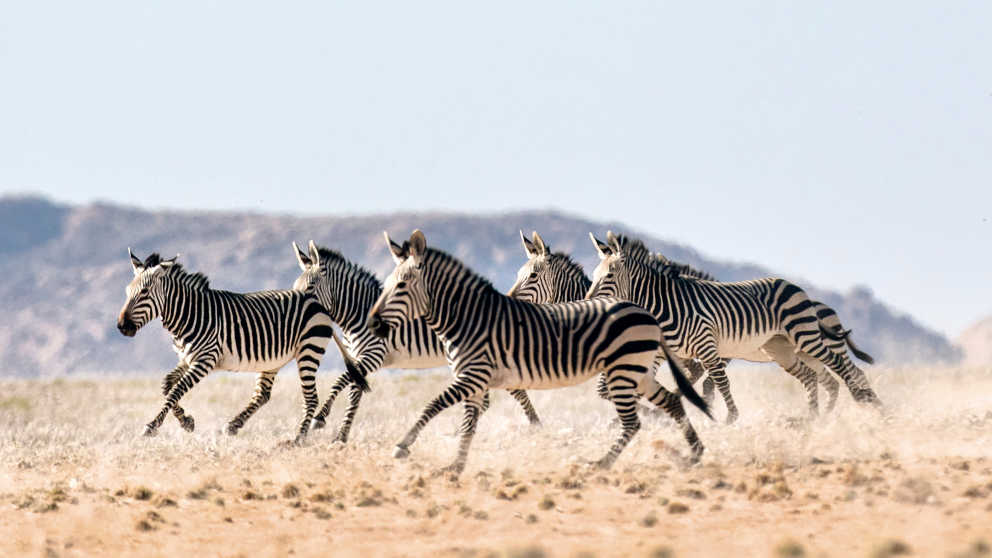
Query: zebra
[(712, 321), (554, 277), (494, 341), (835, 337), (213, 329), (348, 291), (549, 277)]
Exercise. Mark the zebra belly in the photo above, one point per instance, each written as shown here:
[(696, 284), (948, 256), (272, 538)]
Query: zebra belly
[(748, 348), (236, 364), (413, 362), (517, 379)]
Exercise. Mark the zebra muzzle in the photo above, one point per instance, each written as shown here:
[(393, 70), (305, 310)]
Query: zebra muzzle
[(126, 327), (377, 326)]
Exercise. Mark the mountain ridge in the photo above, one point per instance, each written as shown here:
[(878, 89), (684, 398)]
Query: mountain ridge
[(66, 266)]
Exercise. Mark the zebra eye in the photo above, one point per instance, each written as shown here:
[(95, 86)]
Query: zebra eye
[(533, 275), (144, 290), (401, 284)]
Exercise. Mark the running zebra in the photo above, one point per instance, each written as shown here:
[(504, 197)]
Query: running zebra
[(712, 321), (550, 277), (834, 335), (494, 341), (348, 291), (211, 329), (554, 277)]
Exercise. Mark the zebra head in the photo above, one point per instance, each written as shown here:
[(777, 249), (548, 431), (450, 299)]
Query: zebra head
[(403, 295), (611, 278), (533, 280), (313, 280), (144, 293)]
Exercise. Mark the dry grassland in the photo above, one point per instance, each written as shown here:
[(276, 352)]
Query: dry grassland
[(79, 480)]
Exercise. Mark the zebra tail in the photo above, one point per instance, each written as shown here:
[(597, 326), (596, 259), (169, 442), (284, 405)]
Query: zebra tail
[(352, 371), (683, 383), (840, 334), (865, 357)]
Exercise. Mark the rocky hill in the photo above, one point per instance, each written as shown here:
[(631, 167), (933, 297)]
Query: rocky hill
[(64, 270)]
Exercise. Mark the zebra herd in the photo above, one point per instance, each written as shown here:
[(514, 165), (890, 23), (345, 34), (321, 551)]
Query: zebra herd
[(555, 328)]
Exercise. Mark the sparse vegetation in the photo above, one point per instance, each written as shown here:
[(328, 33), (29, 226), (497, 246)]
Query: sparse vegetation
[(520, 484)]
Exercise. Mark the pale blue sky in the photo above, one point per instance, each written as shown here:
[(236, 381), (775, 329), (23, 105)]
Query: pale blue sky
[(841, 142)]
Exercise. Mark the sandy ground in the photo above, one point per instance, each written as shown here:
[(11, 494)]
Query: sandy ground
[(79, 480)]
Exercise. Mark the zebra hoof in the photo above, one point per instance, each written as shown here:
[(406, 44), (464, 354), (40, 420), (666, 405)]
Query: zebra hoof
[(318, 423), (150, 431), (453, 470), (188, 424), (604, 463), (401, 452), (732, 418), (232, 429), (341, 439)]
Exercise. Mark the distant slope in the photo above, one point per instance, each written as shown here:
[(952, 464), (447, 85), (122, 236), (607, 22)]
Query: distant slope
[(976, 343), (65, 269)]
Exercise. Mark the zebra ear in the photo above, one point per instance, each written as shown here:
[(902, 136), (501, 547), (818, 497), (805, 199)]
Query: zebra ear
[(418, 244), (602, 249), (302, 258), (613, 241), (399, 252), (314, 254), (166, 264), (542, 248), (136, 265), (529, 247)]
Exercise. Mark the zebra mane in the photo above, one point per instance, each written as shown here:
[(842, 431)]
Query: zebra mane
[(636, 250), (444, 258), (684, 270), (571, 267), (332, 258), (196, 281), (633, 248)]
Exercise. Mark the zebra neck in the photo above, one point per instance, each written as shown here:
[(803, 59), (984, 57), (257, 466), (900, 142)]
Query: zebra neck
[(663, 294), (459, 306), (181, 309), (575, 289), (353, 298)]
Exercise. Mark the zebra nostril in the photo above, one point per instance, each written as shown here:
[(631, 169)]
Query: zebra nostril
[(374, 321)]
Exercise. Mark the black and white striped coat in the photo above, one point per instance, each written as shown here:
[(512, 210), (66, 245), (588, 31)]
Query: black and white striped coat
[(712, 321), (213, 329), (495, 341), (550, 277), (348, 291)]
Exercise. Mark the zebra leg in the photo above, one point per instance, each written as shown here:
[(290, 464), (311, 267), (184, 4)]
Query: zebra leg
[(200, 368), (320, 420), (623, 393), (354, 399), (826, 379), (717, 372), (263, 389), (784, 353), (473, 409), (853, 377), (307, 366), (696, 371), (186, 421), (601, 389), (466, 385), (521, 396), (814, 344), (672, 404)]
